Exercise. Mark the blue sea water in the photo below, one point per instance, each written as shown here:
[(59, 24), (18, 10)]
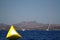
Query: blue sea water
[(34, 35)]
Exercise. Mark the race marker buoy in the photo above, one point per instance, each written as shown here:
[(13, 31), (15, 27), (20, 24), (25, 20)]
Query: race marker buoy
[(13, 34)]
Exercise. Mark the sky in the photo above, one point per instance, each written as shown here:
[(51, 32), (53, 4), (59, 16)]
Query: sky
[(42, 11)]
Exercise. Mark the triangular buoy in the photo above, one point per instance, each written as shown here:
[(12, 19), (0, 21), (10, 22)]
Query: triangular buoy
[(13, 34)]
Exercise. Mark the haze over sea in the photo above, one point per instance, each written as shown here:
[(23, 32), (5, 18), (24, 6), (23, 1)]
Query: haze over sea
[(44, 11)]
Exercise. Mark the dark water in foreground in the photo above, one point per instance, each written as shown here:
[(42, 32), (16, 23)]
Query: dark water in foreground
[(34, 35)]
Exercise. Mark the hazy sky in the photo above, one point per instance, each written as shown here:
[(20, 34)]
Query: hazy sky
[(16, 11)]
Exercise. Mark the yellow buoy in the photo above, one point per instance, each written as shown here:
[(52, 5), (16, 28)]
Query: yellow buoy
[(13, 34)]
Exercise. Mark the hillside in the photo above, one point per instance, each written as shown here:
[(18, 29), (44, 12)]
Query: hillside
[(31, 26)]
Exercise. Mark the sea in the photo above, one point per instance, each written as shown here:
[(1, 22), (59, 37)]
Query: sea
[(34, 35)]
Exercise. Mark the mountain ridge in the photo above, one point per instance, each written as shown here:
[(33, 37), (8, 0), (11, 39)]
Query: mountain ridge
[(31, 26)]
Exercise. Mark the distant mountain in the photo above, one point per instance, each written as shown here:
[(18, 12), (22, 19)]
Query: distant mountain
[(37, 26), (4, 26), (31, 26)]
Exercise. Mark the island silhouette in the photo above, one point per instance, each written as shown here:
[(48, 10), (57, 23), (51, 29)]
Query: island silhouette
[(31, 26)]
